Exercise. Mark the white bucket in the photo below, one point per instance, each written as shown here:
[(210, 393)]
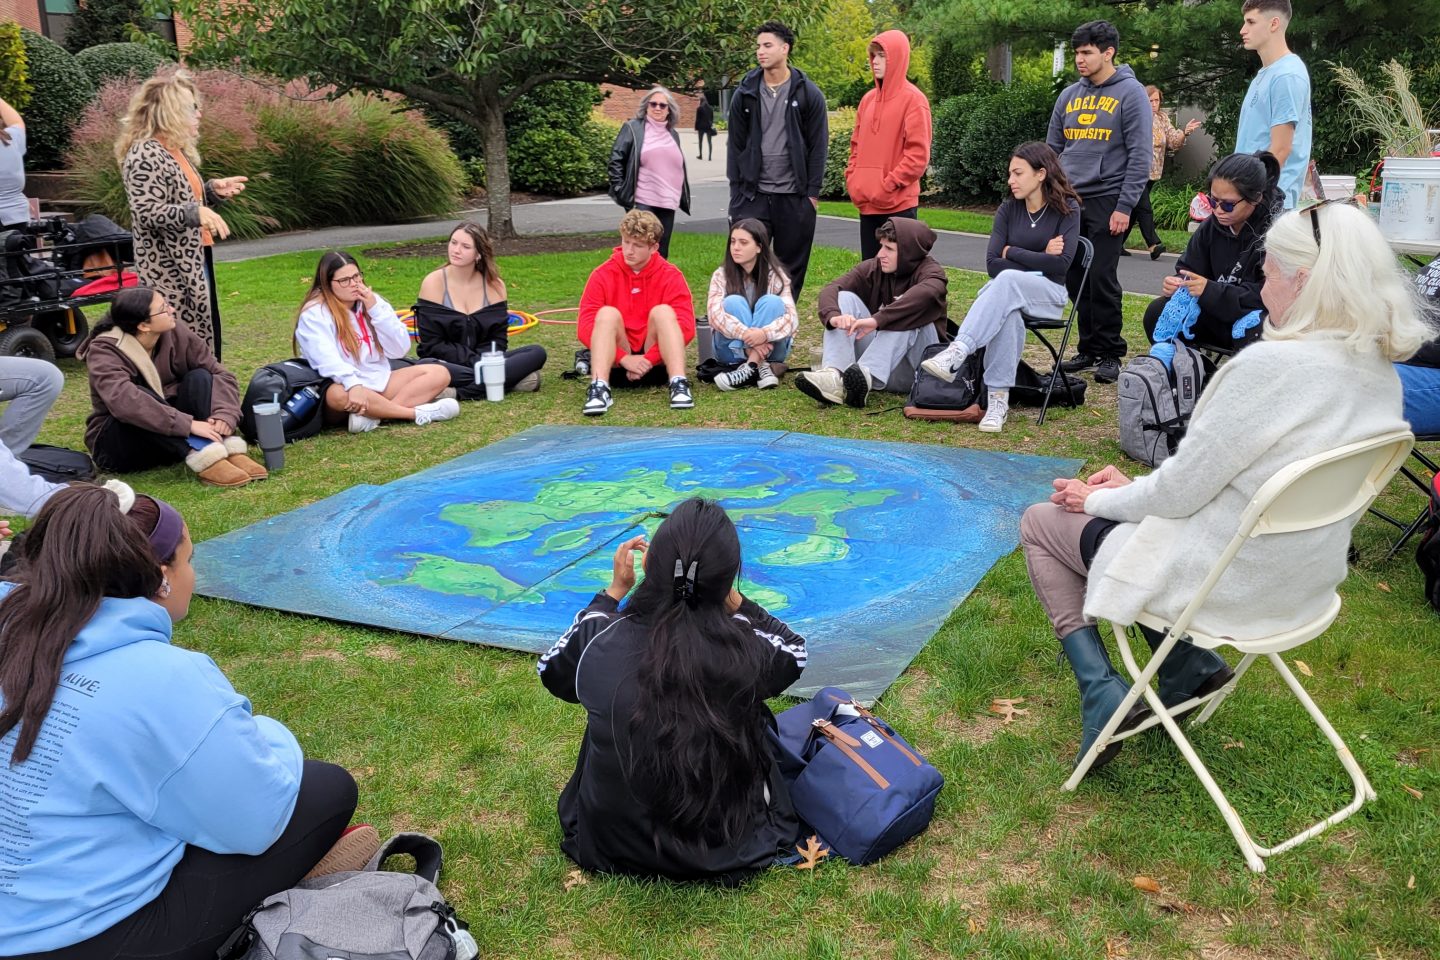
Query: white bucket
[(1337, 186), (1410, 202)]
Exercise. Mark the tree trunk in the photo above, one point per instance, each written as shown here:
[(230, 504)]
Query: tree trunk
[(497, 166)]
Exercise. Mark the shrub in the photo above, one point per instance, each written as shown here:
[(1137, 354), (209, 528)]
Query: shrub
[(98, 22), (559, 162), (114, 61), (1171, 203), (14, 77), (61, 93), (980, 130), (842, 124), (311, 162)]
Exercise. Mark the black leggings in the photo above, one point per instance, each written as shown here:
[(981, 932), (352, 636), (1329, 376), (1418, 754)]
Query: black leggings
[(125, 448), (667, 220), (519, 364), (208, 894)]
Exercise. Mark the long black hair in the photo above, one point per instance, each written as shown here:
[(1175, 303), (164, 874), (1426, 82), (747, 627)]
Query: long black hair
[(1256, 176), (128, 309), (698, 727), (766, 263)]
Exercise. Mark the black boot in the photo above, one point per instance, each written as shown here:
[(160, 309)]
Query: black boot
[(1189, 671), (1101, 690)]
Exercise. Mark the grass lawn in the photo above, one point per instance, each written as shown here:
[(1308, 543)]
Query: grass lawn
[(969, 221), (463, 743)]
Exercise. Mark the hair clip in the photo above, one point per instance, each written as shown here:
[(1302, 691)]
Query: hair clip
[(685, 582)]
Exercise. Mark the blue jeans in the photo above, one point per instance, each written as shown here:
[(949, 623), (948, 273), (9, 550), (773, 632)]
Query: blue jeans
[(1422, 397), (767, 310)]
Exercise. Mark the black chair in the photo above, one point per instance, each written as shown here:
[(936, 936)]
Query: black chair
[(1409, 530), (1037, 326)]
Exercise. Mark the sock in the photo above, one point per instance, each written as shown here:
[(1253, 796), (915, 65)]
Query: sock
[(673, 379)]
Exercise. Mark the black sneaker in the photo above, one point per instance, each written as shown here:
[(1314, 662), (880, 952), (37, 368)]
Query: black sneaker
[(680, 397), (598, 399), (1107, 370), (1079, 363), (857, 386), (737, 378)]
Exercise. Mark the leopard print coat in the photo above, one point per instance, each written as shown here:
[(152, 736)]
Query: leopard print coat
[(165, 220)]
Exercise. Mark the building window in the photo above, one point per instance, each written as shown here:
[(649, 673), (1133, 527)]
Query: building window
[(56, 15)]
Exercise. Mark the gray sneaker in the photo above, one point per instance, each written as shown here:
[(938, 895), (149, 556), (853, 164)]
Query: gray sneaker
[(767, 379), (825, 385)]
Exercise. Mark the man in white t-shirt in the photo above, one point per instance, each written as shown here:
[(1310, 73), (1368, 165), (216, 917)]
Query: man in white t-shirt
[(1275, 114), (14, 207)]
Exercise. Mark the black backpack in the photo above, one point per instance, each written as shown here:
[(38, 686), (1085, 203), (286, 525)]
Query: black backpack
[(1427, 555), (963, 399), (283, 380), (58, 464)]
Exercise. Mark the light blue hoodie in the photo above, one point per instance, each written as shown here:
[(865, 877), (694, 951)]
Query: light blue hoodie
[(146, 748)]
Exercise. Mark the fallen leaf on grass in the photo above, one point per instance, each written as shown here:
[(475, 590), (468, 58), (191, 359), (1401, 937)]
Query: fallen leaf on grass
[(575, 878), (1226, 918), (1114, 950), (1234, 745), (812, 852), (1304, 668), (1418, 795), (1008, 709), (972, 926), (1148, 884), (1383, 586), (1410, 884)]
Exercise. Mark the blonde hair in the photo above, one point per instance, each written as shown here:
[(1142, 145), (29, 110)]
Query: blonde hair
[(158, 111), (641, 225), (1354, 289)]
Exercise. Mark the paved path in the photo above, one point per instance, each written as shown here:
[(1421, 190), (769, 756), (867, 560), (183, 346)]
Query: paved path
[(709, 198)]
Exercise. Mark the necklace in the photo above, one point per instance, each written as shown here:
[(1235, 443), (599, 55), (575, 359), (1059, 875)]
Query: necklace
[(1036, 217)]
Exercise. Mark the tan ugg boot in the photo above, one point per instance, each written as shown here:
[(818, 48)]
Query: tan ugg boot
[(239, 454), (212, 467)]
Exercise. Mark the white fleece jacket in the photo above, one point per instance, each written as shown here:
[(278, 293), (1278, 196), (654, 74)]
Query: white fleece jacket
[(1275, 403), (315, 335)]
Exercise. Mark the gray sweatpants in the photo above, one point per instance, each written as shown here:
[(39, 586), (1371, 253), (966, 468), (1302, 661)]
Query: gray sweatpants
[(890, 357), (993, 320), (28, 388)]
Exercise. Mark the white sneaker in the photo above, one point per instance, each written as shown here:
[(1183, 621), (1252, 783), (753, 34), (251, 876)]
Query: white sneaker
[(737, 378), (359, 423), (597, 399), (997, 406), (680, 396), (767, 379), (435, 411), (826, 385), (946, 364)]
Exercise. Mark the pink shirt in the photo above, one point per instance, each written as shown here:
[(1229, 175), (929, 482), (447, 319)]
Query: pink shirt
[(662, 168)]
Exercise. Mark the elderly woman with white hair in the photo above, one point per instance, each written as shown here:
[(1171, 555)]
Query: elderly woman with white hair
[(1340, 312), (647, 166)]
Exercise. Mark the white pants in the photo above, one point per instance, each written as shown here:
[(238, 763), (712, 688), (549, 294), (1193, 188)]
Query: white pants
[(890, 357)]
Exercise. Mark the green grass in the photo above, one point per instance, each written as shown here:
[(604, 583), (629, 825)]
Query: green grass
[(969, 221), (462, 742)]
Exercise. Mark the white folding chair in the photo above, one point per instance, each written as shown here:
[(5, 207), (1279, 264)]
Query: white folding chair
[(1315, 492)]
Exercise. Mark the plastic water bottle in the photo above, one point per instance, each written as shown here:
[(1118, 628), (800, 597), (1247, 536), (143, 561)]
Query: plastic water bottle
[(298, 408)]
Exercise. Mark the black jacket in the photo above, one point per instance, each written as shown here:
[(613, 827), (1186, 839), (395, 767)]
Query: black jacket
[(1232, 263), (602, 813), (704, 116), (806, 124), (455, 337), (624, 168)]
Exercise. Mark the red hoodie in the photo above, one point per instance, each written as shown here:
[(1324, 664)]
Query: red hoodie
[(614, 284), (890, 147)]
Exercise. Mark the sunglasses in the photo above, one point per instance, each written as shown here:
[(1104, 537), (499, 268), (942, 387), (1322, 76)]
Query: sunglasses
[(1226, 206), (1315, 217), (653, 105)]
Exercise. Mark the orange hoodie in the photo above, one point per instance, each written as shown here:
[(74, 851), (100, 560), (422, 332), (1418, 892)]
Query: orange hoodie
[(890, 147)]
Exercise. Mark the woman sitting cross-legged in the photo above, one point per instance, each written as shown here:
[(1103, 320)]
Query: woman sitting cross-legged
[(676, 777), (158, 395), (1221, 265), (752, 314), (349, 334), (1031, 246), (146, 808), (462, 313), (1340, 311)]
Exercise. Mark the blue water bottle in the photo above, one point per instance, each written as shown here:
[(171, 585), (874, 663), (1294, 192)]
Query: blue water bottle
[(298, 408)]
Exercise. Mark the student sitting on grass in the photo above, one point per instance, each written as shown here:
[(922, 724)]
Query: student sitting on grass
[(462, 312), (146, 809), (636, 314), (349, 334), (1031, 246), (676, 777), (752, 314), (158, 395), (879, 318)]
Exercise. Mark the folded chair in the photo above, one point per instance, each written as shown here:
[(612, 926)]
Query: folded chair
[(1066, 323), (1313, 493), (1409, 530)]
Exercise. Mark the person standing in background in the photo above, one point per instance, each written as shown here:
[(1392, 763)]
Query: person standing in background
[(1275, 114), (14, 206), (1167, 139), (890, 147), (647, 166), (704, 121)]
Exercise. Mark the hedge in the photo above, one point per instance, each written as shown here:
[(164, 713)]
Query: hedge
[(560, 162), (61, 93), (976, 132), (842, 125), (119, 61), (14, 77)]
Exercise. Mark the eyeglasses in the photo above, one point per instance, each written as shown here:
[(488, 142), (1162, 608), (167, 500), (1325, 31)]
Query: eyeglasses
[(1226, 206), (657, 105), (166, 310), (1315, 217), (350, 281)]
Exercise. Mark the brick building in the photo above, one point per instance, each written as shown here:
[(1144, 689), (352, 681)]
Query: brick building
[(51, 18), (621, 103)]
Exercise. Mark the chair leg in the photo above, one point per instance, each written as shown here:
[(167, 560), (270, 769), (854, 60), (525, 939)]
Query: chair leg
[(1224, 692), (1054, 367)]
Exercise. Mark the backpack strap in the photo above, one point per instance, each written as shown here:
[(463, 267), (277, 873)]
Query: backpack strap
[(426, 851)]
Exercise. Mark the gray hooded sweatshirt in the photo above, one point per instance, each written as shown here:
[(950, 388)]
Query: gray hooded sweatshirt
[(1102, 133)]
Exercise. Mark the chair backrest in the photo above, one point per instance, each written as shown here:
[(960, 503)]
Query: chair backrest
[(1087, 252)]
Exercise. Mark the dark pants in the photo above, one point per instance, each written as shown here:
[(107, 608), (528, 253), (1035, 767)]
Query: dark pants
[(125, 448), (519, 364), (1143, 216), (703, 138), (208, 894), (214, 298), (667, 220), (870, 222), (1208, 330), (1099, 310), (790, 218)]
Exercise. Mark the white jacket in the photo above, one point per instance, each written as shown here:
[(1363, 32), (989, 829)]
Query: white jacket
[(1275, 403), (315, 334)]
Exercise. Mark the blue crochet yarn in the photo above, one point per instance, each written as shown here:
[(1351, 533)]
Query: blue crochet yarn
[(1165, 353), (1178, 318), (1251, 319)]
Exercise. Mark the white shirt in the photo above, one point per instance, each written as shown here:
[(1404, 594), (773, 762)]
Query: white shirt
[(315, 333), (14, 207)]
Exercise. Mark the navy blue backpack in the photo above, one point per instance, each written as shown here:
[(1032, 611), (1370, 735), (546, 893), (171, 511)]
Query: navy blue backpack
[(854, 781)]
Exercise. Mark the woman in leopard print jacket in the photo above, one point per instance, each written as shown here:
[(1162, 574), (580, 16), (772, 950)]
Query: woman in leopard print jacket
[(170, 206)]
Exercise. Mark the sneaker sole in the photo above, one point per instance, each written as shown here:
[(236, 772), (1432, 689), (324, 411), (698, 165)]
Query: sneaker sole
[(812, 390), (856, 386), (768, 384), (1101, 378), (683, 404), (991, 428), (727, 387), (597, 413), (938, 370), (351, 852)]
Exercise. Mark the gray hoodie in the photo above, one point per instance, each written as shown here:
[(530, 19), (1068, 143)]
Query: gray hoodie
[(1102, 133)]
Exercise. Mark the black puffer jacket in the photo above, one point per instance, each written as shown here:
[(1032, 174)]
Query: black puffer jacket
[(624, 169)]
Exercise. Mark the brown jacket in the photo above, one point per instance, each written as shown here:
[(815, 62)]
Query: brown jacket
[(907, 299), (118, 385)]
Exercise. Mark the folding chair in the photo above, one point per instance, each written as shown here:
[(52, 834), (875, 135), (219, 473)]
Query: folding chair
[(1409, 530), (1312, 493), (1066, 322)]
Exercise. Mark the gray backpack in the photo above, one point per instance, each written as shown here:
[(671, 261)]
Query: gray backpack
[(1156, 403), (367, 914)]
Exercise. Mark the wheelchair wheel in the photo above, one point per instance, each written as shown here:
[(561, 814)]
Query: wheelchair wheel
[(24, 341), (56, 326)]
